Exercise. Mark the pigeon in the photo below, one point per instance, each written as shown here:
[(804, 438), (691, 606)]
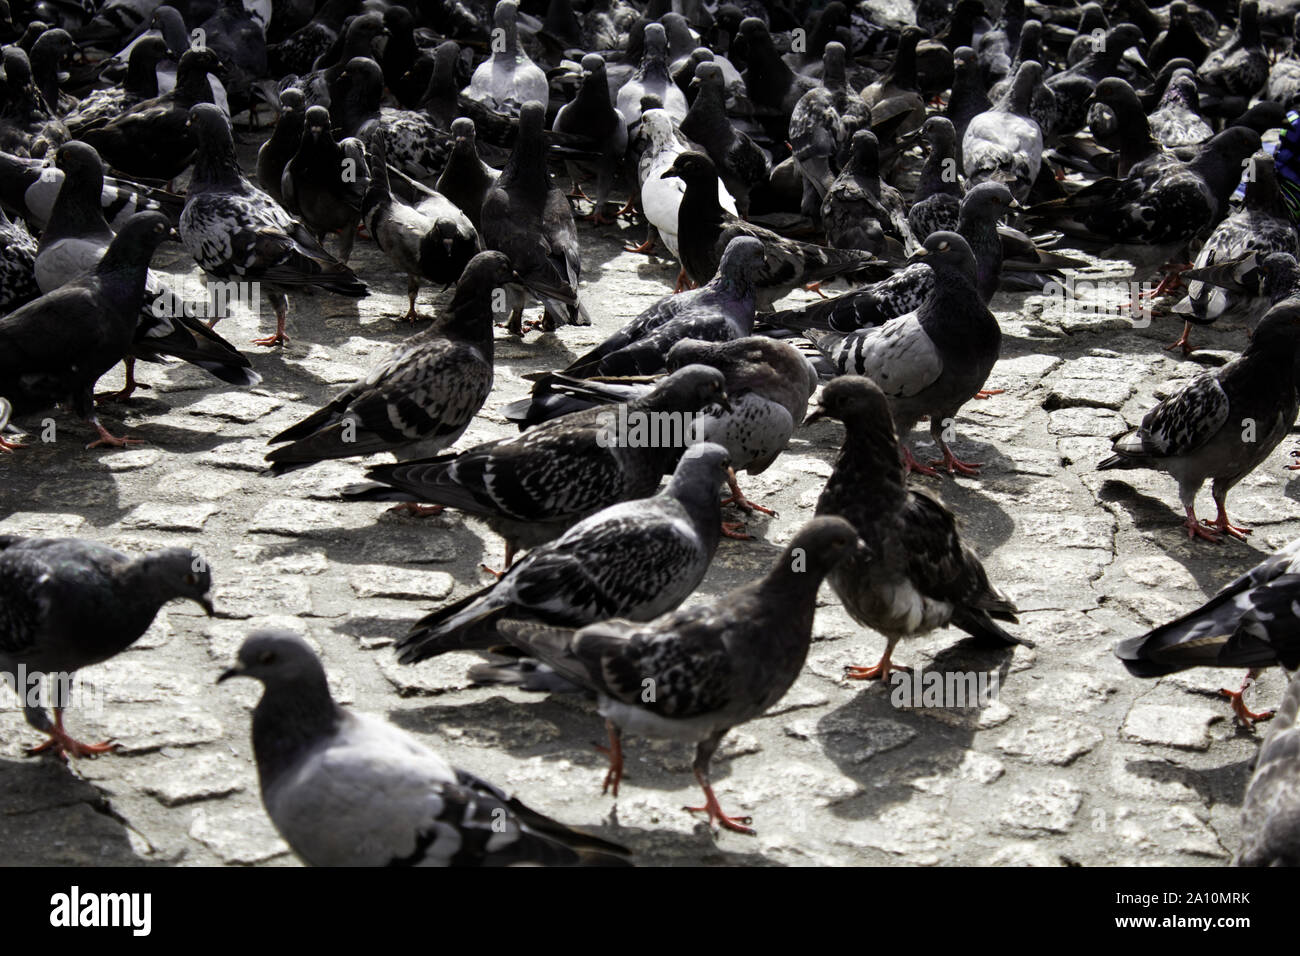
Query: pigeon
[(1270, 811), (237, 232), (420, 398), (139, 84), (1074, 86), (17, 265), (916, 575), (1284, 74), (742, 164), (528, 218), (822, 124), (48, 54), (694, 674), (968, 97), (360, 41), (323, 184), (656, 144), (347, 789), (930, 361), (1240, 66), (28, 126), (1261, 225), (286, 137), (303, 47), (1006, 143), (1178, 40), (859, 210), (895, 100), (68, 603), (55, 348), (507, 79), (652, 79), (441, 90), (773, 88), (74, 241), (238, 38), (415, 145), (633, 560), (152, 139), (937, 200), (721, 309), (705, 229), (466, 179), (592, 117), (1248, 623), (1223, 423), (29, 188), (534, 486), (432, 240)]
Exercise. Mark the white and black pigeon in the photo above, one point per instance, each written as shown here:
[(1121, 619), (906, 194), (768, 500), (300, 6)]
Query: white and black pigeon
[(66, 603), (634, 560), (1260, 225), (325, 181), (507, 79), (76, 238), (822, 124), (348, 789), (421, 397), (532, 487), (1249, 623), (705, 229), (936, 202), (415, 144), (656, 143), (932, 361), (55, 348), (709, 667), (431, 240), (860, 210), (1222, 424), (236, 232), (528, 217), (1270, 811), (29, 187), (917, 574)]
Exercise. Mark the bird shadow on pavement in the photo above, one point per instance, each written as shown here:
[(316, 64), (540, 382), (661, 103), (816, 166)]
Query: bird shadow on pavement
[(1224, 784), (1212, 566), (52, 817), (871, 738)]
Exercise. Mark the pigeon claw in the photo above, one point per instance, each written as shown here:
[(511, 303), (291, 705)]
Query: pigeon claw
[(816, 287), (63, 747), (714, 810), (417, 511), (989, 392), (1245, 717), (279, 338), (910, 464), (11, 446), (644, 248), (731, 529), (614, 776), (109, 440), (1222, 526), (955, 465)]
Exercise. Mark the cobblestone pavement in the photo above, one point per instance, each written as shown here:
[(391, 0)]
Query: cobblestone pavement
[(1070, 762)]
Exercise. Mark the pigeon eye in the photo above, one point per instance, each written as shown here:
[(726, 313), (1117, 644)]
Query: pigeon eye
[(191, 579), (266, 657)]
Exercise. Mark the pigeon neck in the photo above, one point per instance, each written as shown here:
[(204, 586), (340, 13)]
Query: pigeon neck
[(469, 315), (870, 455), (192, 84), (734, 281), (527, 166), (700, 202), (1262, 194), (215, 167), (1248, 28), (706, 122), (904, 72), (698, 496), (654, 64), (769, 73), (45, 73), (1019, 97), (969, 96), (78, 211), (142, 75), (379, 192), (126, 266), (288, 720), (794, 579), (939, 174)]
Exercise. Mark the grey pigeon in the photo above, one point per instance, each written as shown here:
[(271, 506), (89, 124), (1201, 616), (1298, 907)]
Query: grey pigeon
[(466, 179), (1248, 623), (532, 487), (822, 124), (349, 789), (694, 674), (507, 79), (529, 219), (55, 348), (274, 155), (1261, 225), (66, 603), (75, 239), (592, 118), (1270, 812), (859, 210), (431, 240), (324, 182), (742, 164), (1222, 424), (930, 361), (1006, 143), (936, 202), (721, 309), (237, 232), (17, 264), (634, 560), (421, 397), (919, 574)]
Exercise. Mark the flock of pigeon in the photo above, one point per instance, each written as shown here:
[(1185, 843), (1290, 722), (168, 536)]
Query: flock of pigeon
[(761, 145)]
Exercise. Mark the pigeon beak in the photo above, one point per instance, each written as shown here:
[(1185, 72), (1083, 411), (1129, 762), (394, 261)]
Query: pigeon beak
[(919, 255), (448, 244), (670, 173), (723, 403), (173, 235), (229, 672), (818, 415), (205, 602), (862, 549)]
